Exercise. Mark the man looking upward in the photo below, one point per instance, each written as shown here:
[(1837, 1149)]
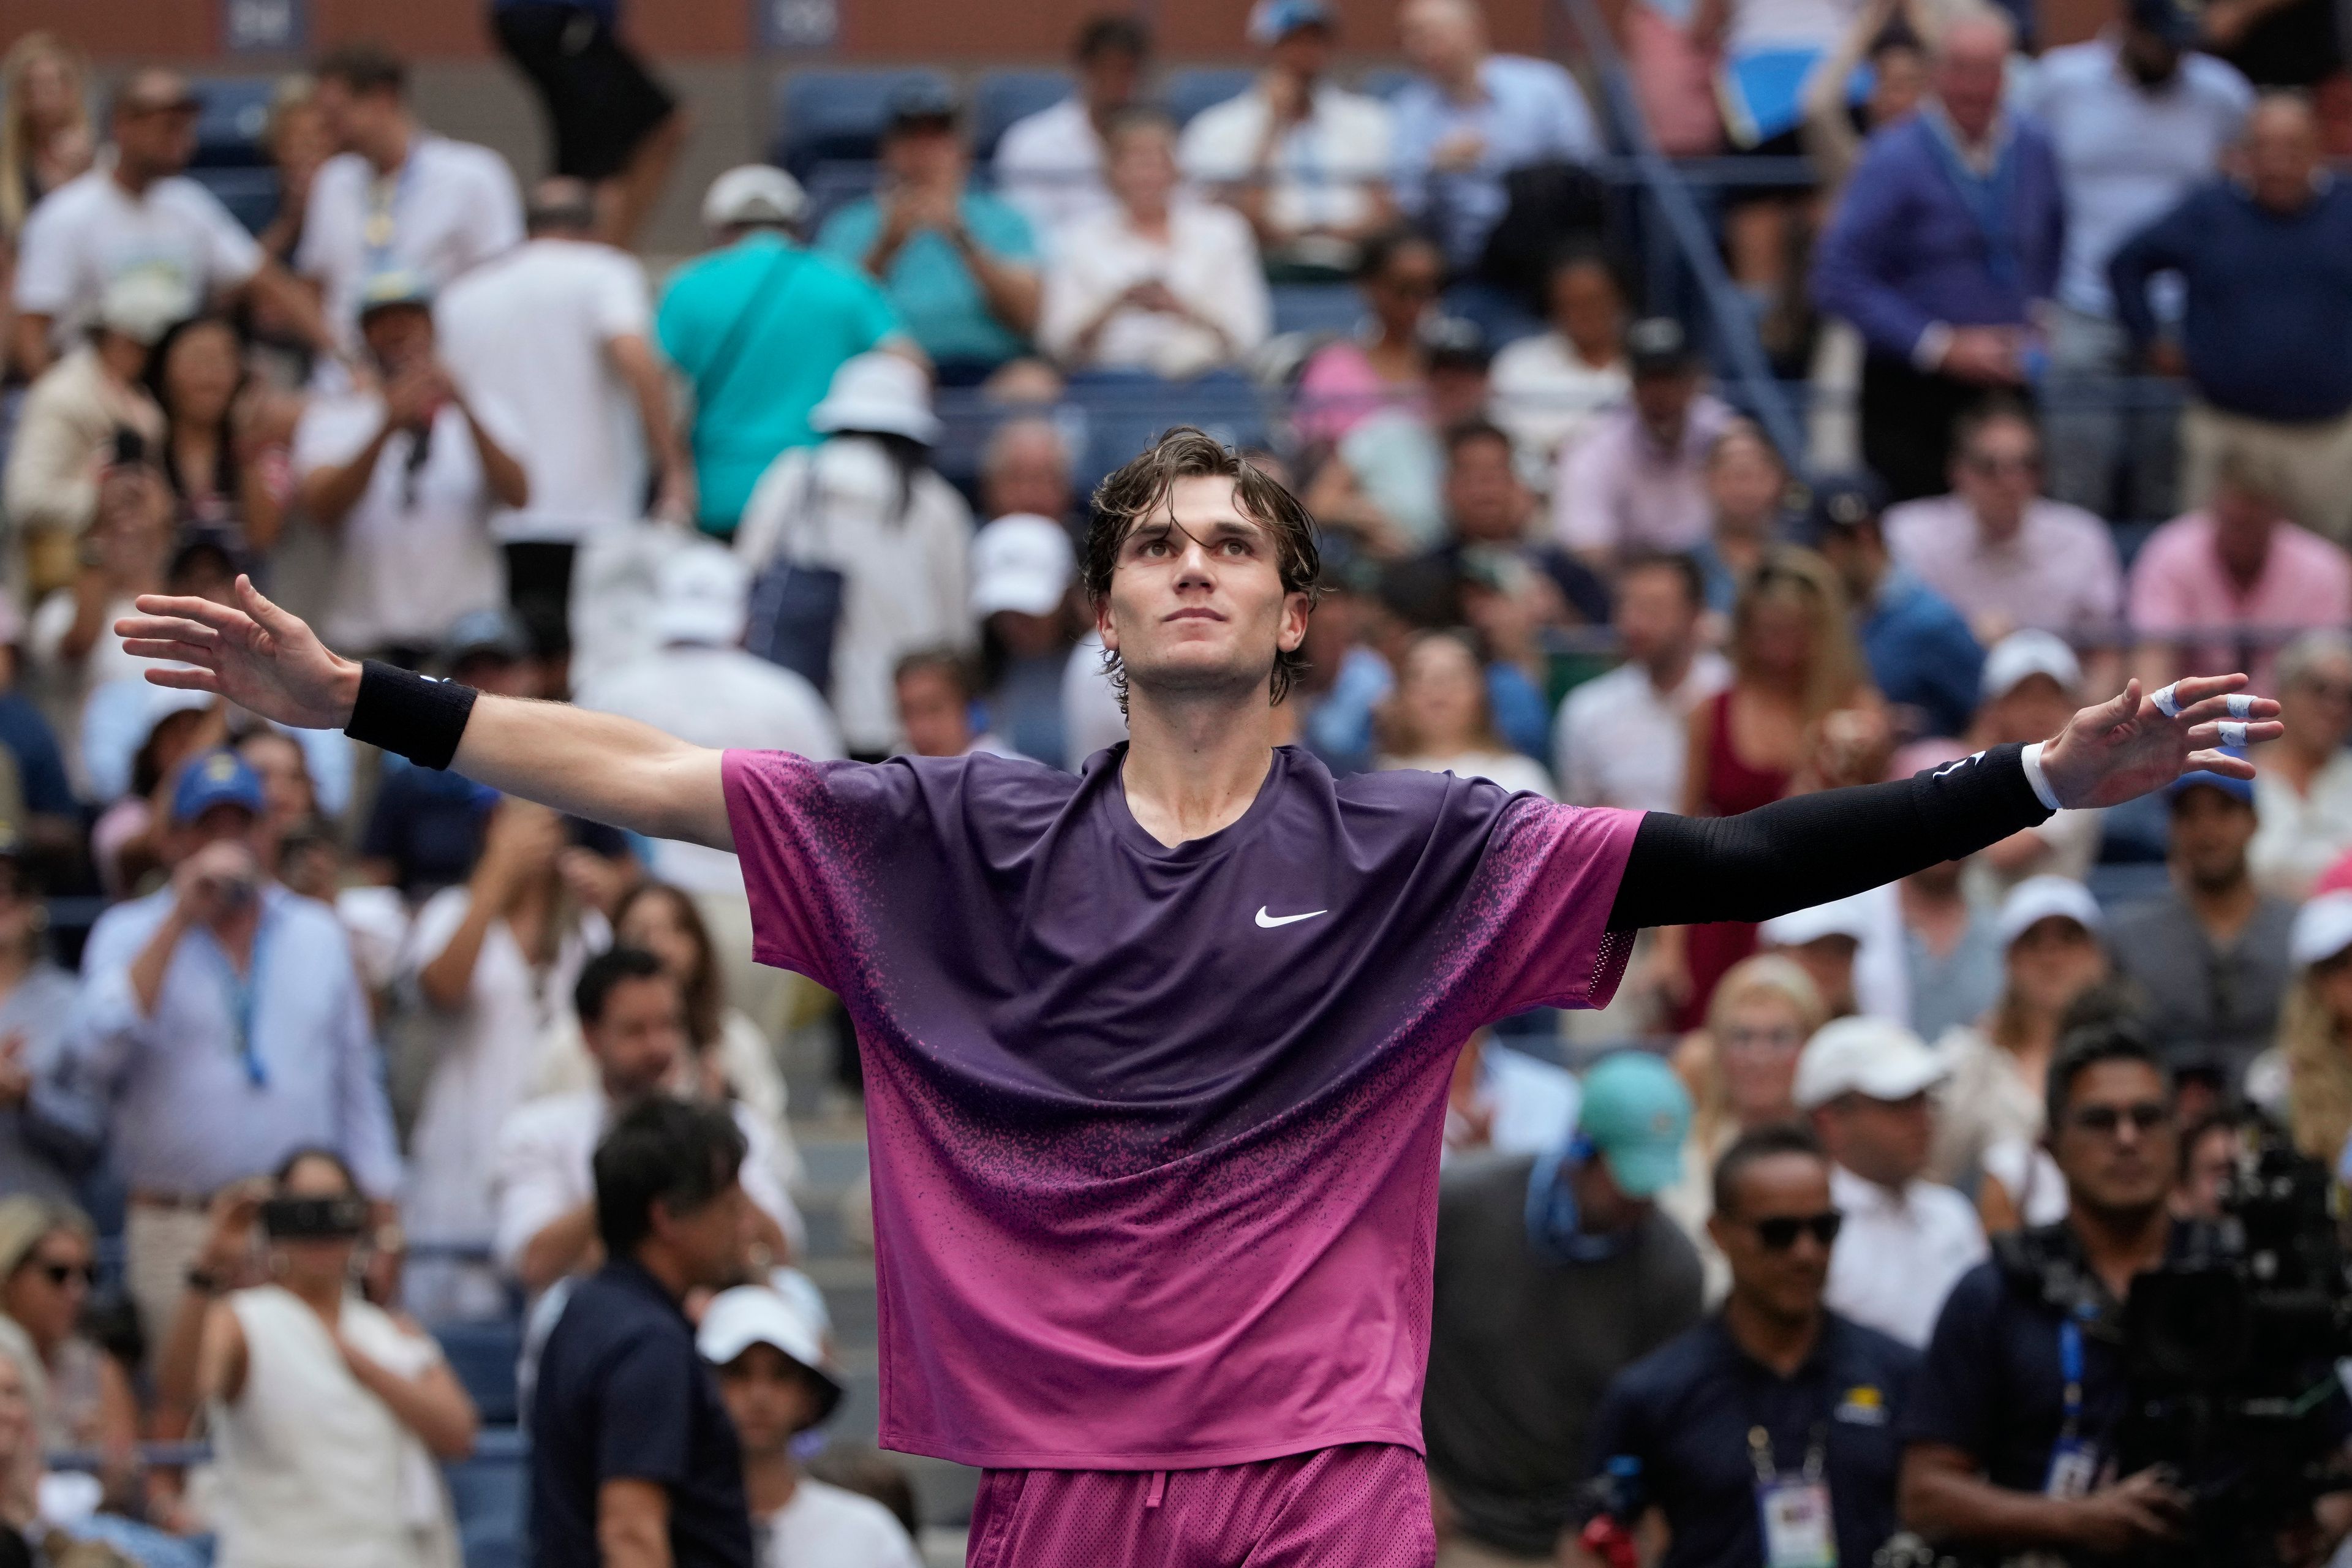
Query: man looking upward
[(1156, 1055)]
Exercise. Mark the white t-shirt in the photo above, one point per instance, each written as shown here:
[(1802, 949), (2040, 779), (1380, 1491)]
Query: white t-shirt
[(416, 548), (1618, 742), (1545, 397), (531, 328), (1899, 1255), (89, 231), (452, 205), (1050, 166), (829, 1527), (1512, 771), (1210, 262), (1324, 168)]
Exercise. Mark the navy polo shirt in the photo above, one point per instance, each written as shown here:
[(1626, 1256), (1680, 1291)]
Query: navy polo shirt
[(623, 1395), (1685, 1409)]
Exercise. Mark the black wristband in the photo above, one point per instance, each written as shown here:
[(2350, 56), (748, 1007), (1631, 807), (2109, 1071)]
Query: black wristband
[(400, 710)]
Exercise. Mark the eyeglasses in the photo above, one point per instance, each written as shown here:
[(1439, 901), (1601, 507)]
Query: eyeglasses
[(1780, 1232), (2145, 1116), (1992, 465), (61, 1275), (1784, 1038)]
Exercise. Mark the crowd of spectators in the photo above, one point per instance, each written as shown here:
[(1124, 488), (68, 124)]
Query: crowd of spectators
[(342, 1044)]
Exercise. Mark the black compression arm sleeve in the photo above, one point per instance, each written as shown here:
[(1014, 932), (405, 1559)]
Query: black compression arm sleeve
[(1794, 854)]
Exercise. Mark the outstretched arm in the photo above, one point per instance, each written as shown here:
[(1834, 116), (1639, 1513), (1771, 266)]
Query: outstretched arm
[(606, 769), (1797, 853)]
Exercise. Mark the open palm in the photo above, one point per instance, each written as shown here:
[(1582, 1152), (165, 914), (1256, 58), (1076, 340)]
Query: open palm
[(257, 656), (2126, 748)]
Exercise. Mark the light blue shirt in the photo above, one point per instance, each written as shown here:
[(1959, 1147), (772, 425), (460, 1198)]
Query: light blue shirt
[(2126, 154), (173, 1092), (118, 717), (1530, 111), (936, 297)]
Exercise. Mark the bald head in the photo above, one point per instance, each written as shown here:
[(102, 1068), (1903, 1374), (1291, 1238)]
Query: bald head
[(2283, 150), (1970, 62), (1443, 38)]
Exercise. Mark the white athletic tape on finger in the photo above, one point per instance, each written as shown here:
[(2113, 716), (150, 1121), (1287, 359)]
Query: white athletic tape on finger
[(2166, 702), (2233, 733), (2242, 705)]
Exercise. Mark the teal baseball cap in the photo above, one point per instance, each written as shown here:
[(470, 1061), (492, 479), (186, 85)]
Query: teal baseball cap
[(1635, 1115)]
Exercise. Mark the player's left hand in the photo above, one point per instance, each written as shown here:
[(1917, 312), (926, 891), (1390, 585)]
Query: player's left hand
[(2121, 750)]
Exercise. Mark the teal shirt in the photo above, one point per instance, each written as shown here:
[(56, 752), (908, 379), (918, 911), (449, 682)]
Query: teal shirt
[(811, 315), (934, 292)]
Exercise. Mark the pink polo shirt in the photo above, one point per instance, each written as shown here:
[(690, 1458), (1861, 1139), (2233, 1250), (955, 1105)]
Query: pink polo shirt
[(2180, 585)]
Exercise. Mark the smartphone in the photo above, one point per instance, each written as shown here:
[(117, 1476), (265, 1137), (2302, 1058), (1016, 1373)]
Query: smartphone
[(314, 1219), (130, 447)]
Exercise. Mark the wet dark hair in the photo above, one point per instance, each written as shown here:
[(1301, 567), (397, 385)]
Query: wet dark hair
[(1143, 486), (1753, 1147), (667, 1152)]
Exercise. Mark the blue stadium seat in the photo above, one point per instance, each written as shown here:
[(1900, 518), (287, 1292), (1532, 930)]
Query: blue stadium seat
[(1002, 97), (487, 1493), (1121, 415), (483, 1355), (229, 127), (1316, 307), (1187, 92), (835, 116), (249, 193), (1383, 81)]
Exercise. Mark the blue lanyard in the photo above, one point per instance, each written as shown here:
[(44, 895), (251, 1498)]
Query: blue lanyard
[(1989, 198), (383, 220), (244, 1001), (1553, 1229), (2070, 1367)]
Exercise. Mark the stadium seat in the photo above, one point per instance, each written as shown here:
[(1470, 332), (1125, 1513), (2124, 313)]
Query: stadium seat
[(1316, 307), (249, 193), (229, 127), (1002, 97), (835, 116), (487, 1493), (1187, 92), (483, 1355), (1119, 415)]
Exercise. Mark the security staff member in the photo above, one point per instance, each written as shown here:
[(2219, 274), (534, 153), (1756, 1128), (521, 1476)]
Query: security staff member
[(2007, 1437), (1766, 1434)]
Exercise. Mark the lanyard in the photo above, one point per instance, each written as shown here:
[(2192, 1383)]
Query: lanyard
[(2070, 1367), (383, 198), (244, 1000), (1987, 198), (1759, 1453)]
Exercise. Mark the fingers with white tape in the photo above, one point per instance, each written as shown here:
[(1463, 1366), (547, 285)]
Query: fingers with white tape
[(2242, 705), (2233, 733), (2167, 702)]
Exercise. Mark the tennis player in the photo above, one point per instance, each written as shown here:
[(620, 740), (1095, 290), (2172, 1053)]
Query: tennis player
[(1156, 1054)]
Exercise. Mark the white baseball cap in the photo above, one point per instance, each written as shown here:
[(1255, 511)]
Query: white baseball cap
[(1021, 561), (1840, 917), (145, 303), (1872, 1056), (2022, 654), (2322, 929), (754, 193), (700, 594), (879, 393), (751, 1315), (2038, 898)]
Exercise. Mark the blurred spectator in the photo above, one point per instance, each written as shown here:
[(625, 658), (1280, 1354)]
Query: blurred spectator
[(868, 505), (772, 1372), (2265, 307), (2239, 570), (1570, 1238), (1746, 502), (1923, 658), (87, 417), (82, 1398), (614, 126), (289, 797), (1304, 160), (1440, 720), (1050, 165), (1503, 1101), (1742, 1070), (1026, 467), (220, 1025), (1386, 479), (1490, 542), (45, 132), (2049, 932), (1022, 571), (406, 475), (1944, 245), (1779, 1406), (2303, 794), (1470, 118), (1549, 389), (1888, 38), (327, 1412), (299, 142), (2210, 1148), (960, 265), (2032, 686), (2138, 120), (70, 642), (633, 1456), (1851, 949), (1864, 1085), (558, 333), (1634, 480), (129, 842), (757, 327), (228, 478), (2212, 952), (1161, 282), (44, 1154), (494, 962), (2310, 1066), (2002, 553), (937, 695), (395, 197), (1622, 737), (632, 1014), (139, 214), (1382, 364), (1953, 962)]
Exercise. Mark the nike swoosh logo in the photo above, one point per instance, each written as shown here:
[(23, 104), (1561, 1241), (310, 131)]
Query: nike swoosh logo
[(1270, 921)]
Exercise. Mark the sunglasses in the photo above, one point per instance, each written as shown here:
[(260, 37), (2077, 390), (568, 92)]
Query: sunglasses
[(1780, 1232), (63, 1274), (2145, 1116)]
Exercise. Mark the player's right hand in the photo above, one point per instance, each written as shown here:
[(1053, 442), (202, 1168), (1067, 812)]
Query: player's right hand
[(253, 653)]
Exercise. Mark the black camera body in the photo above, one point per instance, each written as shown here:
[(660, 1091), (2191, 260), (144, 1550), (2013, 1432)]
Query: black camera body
[(314, 1219)]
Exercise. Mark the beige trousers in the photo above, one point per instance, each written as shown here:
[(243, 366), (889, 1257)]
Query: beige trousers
[(2311, 464), (159, 1245)]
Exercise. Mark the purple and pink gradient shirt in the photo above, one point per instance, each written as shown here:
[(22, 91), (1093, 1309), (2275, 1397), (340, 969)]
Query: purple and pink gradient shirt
[(1155, 1131)]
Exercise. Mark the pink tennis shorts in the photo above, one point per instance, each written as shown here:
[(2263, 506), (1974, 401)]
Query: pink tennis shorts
[(1365, 1505)]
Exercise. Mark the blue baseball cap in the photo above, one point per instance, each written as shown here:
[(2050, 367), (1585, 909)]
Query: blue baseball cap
[(216, 778), (2240, 790), (1635, 1115), (1271, 21)]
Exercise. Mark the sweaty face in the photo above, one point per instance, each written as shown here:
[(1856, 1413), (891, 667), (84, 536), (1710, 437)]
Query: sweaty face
[(1196, 604), (640, 1037), (1786, 1281), (2117, 1144)]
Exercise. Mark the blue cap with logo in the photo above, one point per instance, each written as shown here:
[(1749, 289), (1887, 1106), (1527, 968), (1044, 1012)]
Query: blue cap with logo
[(216, 778), (1635, 1115), (2240, 790)]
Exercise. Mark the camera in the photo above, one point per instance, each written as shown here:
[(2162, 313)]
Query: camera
[(314, 1219)]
